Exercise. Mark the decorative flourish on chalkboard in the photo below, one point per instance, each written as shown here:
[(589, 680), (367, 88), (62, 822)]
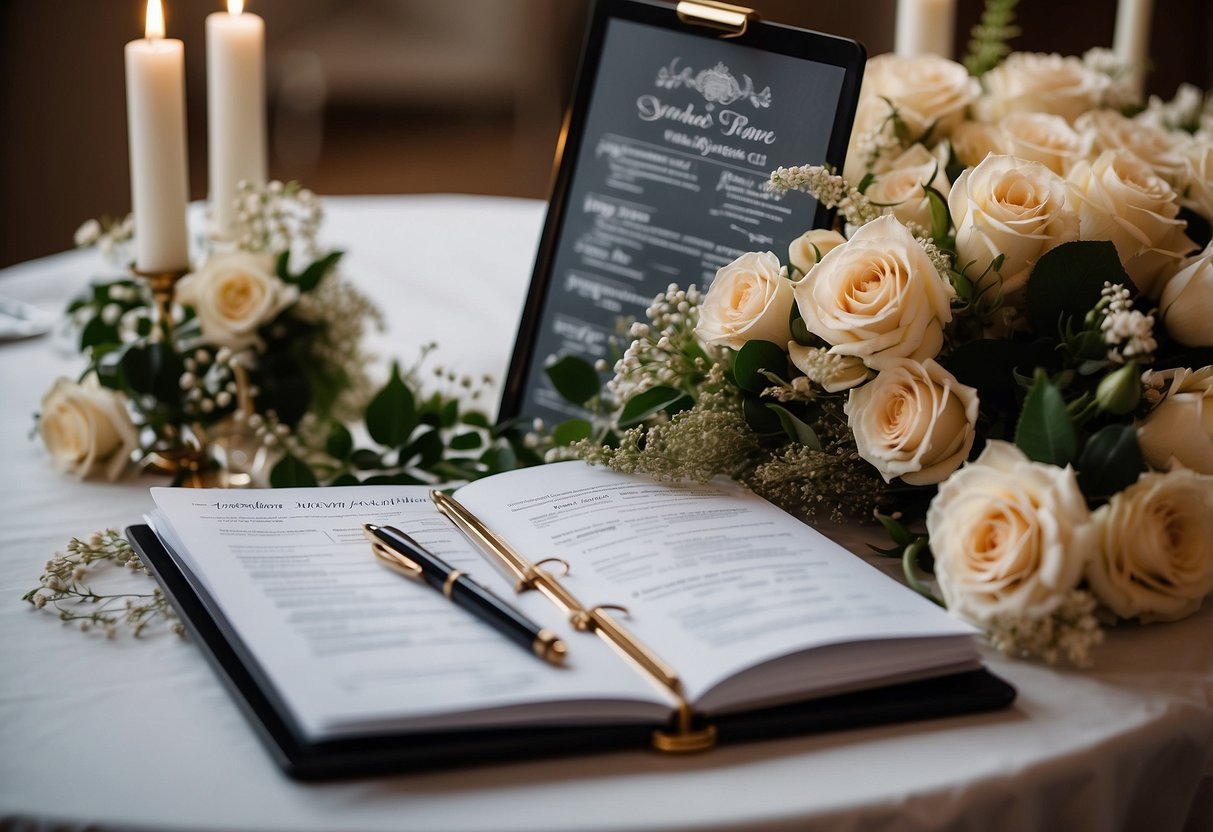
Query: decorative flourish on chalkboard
[(716, 85)]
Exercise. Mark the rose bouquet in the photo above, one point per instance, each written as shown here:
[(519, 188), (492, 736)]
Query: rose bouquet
[(1009, 337), (247, 348)]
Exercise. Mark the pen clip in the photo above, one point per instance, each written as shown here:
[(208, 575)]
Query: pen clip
[(392, 559)]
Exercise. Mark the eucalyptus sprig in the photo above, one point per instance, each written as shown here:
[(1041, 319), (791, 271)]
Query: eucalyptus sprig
[(63, 589)]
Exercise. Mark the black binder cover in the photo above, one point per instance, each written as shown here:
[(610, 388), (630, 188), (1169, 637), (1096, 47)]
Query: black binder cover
[(305, 759)]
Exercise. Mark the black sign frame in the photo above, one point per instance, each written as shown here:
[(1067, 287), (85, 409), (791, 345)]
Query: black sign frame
[(817, 47)]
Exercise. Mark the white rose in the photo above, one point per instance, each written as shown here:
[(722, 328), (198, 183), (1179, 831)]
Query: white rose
[(749, 299), (1040, 137), (86, 428), (1011, 537), (928, 92), (811, 246), (1187, 301), (899, 186), (1197, 179), (1012, 207), (1161, 149), (914, 421), (877, 297), (234, 295), (1119, 198), (1180, 427), (1154, 560), (1030, 82), (973, 141)]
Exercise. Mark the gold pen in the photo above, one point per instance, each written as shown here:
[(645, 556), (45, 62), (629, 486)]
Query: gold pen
[(402, 554)]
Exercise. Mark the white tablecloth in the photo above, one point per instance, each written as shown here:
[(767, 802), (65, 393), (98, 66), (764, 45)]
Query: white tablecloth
[(140, 734)]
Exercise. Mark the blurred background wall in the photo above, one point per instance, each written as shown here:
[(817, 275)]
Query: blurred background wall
[(394, 96)]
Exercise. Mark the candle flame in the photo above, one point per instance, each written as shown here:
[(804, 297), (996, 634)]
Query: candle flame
[(155, 20), (235, 6)]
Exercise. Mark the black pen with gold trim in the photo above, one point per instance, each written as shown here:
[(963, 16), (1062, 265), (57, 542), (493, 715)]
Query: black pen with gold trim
[(401, 553)]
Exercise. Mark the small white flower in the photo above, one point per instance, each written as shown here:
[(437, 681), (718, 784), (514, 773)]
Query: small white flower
[(88, 233)]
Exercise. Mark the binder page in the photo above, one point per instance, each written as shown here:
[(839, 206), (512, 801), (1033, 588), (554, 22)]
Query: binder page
[(353, 647), (717, 580)]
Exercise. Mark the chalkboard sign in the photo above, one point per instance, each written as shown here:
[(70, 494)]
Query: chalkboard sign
[(666, 152)]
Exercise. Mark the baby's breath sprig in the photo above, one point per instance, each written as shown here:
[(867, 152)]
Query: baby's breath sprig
[(1070, 632), (830, 189), (62, 587), (277, 217), (664, 351)]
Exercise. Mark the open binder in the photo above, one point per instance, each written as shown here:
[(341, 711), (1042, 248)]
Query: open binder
[(311, 755)]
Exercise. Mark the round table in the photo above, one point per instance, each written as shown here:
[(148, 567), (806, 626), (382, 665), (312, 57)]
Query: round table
[(138, 733)]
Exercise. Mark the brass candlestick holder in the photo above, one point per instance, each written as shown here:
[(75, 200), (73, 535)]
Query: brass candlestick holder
[(184, 453)]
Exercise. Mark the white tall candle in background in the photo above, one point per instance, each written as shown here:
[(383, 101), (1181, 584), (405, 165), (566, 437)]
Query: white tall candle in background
[(925, 27), (1131, 43), (235, 94), (155, 111)]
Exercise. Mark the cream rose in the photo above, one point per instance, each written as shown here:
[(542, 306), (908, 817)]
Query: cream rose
[(928, 92), (1031, 82), (1187, 301), (1011, 537), (1159, 148), (914, 421), (1180, 427), (973, 141), (87, 429), (1012, 207), (749, 299), (811, 246), (899, 186), (234, 295), (1040, 137), (1154, 560), (877, 297), (1119, 198), (1197, 190)]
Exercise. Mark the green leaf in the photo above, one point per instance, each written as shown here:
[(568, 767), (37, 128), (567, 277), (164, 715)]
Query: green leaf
[(313, 274), (1045, 431), (392, 414), (752, 359), (796, 430), (574, 379), (572, 430), (366, 460), (339, 442), (292, 472), (152, 369), (1110, 462), (345, 479), (97, 332), (941, 219), (393, 479), (898, 532), (651, 401), (449, 413), (761, 419), (423, 451), (499, 459), (466, 441), (475, 419), (1066, 283)]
